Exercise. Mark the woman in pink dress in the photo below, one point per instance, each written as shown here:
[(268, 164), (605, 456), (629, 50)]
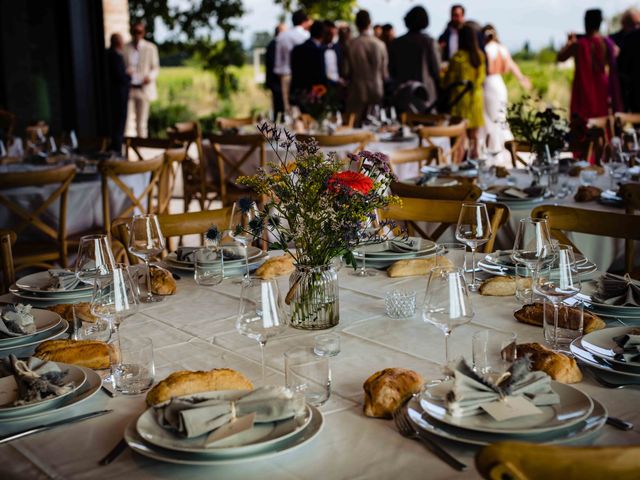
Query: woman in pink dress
[(595, 91)]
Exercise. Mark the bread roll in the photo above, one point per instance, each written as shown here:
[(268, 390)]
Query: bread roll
[(386, 390), (83, 311), (417, 266), (162, 281), (587, 194), (558, 366), (276, 267), (533, 315), (185, 382), (498, 286), (84, 353)]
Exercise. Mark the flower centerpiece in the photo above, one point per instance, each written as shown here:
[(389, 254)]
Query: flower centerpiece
[(319, 102), (317, 211)]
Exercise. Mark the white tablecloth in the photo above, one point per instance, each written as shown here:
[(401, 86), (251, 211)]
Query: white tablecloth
[(195, 330)]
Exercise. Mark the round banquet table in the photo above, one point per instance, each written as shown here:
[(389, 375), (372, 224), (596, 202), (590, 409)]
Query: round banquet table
[(195, 330), (84, 201)]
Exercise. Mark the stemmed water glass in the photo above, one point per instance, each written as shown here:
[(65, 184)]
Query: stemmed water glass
[(261, 315), (145, 242), (558, 283), (616, 163), (115, 297), (447, 304), (533, 246), (474, 229)]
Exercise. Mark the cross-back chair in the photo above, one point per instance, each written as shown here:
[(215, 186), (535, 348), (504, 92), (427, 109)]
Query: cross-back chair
[(228, 123), (427, 119), (457, 135), (7, 239), (627, 117), (139, 148), (463, 191), (53, 250), (414, 211), (420, 155), (360, 139), (630, 193)]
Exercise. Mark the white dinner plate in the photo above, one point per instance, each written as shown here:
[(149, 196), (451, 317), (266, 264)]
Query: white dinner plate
[(574, 407), (252, 253), (39, 283), (576, 433), (45, 320), (261, 436), (55, 296), (75, 375), (503, 258), (90, 387), (600, 363), (232, 269), (600, 342), (306, 435), (26, 349)]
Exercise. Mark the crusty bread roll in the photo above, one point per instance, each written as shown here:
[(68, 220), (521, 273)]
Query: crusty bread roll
[(558, 366), (498, 286), (576, 169), (162, 281), (417, 266), (533, 315), (384, 391), (276, 267), (85, 353), (587, 193), (186, 382), (83, 311)]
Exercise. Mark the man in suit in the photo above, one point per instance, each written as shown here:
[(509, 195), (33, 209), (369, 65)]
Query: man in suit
[(449, 39), (365, 68), (307, 63), (119, 81), (333, 55), (272, 80), (629, 71), (143, 64)]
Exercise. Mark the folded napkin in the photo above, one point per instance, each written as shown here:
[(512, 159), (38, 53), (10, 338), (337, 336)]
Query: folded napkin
[(628, 347), (16, 320), (611, 195), (62, 280), (618, 290), (36, 379), (187, 254), (194, 416), (470, 390), (488, 197), (397, 245)]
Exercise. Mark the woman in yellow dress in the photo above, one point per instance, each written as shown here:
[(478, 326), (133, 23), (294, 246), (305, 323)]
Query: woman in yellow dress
[(468, 64)]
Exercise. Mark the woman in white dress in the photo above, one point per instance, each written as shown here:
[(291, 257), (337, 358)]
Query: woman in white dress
[(499, 62)]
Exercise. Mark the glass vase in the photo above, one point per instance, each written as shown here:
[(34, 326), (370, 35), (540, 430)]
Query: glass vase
[(313, 297)]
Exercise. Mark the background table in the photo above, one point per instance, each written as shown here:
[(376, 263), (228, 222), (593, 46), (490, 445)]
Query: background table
[(195, 329)]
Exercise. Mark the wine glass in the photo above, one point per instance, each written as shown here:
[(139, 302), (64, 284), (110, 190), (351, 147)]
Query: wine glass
[(615, 163), (533, 245), (234, 248), (115, 297), (474, 229), (261, 315), (95, 258), (447, 304), (368, 236), (146, 241), (557, 283)]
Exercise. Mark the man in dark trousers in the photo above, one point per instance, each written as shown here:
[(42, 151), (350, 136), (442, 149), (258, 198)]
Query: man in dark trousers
[(272, 81), (307, 62), (119, 81)]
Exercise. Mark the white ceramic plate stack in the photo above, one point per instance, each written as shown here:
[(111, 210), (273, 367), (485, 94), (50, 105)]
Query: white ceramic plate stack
[(86, 383), (383, 259), (49, 326), (36, 287), (574, 420), (500, 263), (595, 349), (264, 440), (232, 268), (626, 314)]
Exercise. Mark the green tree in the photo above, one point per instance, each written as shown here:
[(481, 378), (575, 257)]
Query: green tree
[(323, 9)]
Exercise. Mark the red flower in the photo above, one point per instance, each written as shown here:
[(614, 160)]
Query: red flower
[(351, 181)]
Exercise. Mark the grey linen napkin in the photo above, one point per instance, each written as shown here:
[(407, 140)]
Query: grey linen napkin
[(628, 347), (37, 379), (194, 416), (397, 245), (187, 254), (470, 390), (62, 279), (618, 290), (16, 320)]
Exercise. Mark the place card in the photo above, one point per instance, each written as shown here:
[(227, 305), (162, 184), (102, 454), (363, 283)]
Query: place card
[(514, 192), (235, 426), (510, 407)]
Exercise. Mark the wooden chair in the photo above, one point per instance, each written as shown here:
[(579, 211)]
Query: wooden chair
[(627, 117), (444, 212), (514, 147), (359, 138), (630, 193), (7, 239), (420, 155), (228, 123), (593, 222), (173, 159), (603, 123), (457, 135), (40, 253), (463, 191), (530, 461), (32, 132), (178, 225), (7, 124), (427, 119), (112, 170), (135, 147)]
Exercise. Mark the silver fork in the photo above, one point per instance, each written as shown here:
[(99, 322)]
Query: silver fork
[(406, 429)]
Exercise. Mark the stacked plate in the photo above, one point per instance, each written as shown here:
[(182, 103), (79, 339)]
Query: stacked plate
[(382, 259), (501, 263), (623, 313), (49, 326), (85, 383), (595, 349), (264, 440), (37, 287), (575, 419), (232, 267)]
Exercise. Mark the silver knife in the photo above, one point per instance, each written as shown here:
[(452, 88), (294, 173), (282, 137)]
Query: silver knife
[(42, 428)]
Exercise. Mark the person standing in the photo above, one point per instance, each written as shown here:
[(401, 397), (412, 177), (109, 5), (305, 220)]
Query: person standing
[(630, 21), (365, 68), (119, 81), (629, 67), (595, 89), (468, 65), (143, 64), (414, 55), (307, 63), (333, 58), (284, 45), (388, 34), (272, 81), (449, 39)]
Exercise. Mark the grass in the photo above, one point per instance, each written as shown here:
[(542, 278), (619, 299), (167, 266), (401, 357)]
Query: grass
[(549, 81)]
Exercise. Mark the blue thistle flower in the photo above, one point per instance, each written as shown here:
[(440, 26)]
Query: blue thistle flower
[(213, 233), (245, 204)]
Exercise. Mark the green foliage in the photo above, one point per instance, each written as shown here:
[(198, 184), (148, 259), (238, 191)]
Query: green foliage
[(537, 124), (261, 39), (323, 9), (551, 82), (162, 117)]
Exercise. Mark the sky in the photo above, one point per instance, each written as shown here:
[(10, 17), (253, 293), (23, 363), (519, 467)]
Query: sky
[(538, 21)]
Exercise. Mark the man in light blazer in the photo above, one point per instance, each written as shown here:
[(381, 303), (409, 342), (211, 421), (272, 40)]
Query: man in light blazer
[(143, 64)]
